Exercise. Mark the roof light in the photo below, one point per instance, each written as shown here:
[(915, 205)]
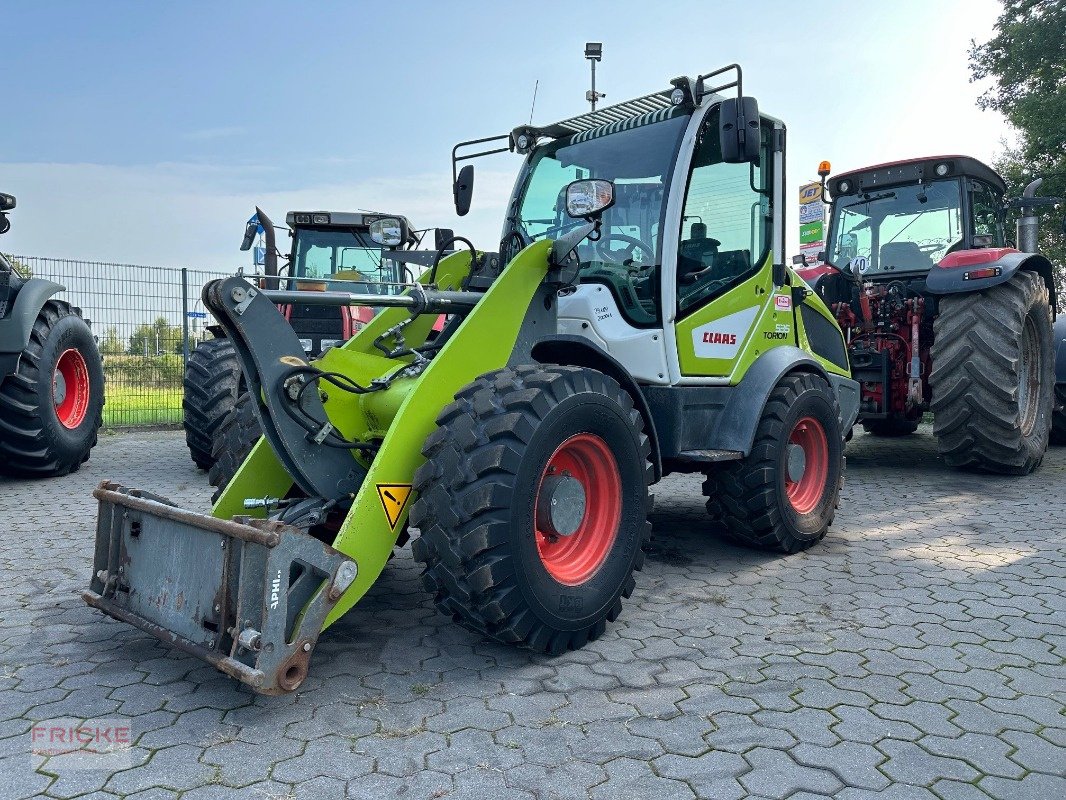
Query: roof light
[(302, 219), (824, 169), (942, 169), (320, 219), (844, 187), (677, 96)]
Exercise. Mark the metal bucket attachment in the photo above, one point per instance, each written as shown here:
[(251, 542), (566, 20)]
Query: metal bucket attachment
[(247, 595)]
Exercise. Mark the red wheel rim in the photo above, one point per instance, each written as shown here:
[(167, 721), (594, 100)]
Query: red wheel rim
[(573, 559), (70, 389), (806, 475)]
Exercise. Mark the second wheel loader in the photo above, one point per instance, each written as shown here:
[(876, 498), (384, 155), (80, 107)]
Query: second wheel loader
[(639, 319)]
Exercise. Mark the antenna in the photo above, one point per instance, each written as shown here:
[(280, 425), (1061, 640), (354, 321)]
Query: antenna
[(535, 87)]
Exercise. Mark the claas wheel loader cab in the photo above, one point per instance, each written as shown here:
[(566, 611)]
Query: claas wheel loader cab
[(941, 312), (51, 375), (607, 343), (326, 248)]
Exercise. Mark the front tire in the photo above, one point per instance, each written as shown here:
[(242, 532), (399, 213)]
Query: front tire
[(993, 376), (211, 384), (234, 440), (51, 408), (784, 494), (532, 506), (1058, 418)]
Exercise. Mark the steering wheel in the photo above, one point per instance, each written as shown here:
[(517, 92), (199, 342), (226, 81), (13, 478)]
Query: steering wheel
[(607, 255)]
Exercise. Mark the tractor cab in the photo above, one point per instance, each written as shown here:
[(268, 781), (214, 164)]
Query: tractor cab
[(902, 219)]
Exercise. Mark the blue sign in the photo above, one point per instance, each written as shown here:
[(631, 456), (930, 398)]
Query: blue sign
[(196, 314), (260, 256)]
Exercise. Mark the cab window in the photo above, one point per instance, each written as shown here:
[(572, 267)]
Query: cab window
[(986, 212), (727, 224)]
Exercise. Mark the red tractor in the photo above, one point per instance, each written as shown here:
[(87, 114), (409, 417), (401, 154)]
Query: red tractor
[(940, 312)]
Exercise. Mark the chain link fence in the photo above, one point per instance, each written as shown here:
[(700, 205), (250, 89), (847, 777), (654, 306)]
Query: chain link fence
[(146, 321)]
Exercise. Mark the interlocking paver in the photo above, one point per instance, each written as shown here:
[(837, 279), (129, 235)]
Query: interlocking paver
[(915, 653)]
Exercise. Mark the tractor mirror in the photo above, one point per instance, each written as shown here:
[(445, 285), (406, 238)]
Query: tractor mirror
[(442, 237), (463, 190), (7, 201), (251, 228), (388, 231), (738, 130), (588, 198)]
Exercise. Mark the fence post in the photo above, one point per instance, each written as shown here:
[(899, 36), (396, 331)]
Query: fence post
[(184, 319)]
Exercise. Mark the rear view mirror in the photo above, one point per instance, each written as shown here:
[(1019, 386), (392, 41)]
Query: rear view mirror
[(463, 190), (738, 130), (7, 202), (588, 198), (388, 231), (442, 237)]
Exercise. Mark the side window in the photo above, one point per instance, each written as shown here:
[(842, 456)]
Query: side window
[(727, 224), (986, 212)]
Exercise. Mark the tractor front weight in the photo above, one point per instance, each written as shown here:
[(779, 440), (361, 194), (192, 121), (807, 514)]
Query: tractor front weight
[(306, 525)]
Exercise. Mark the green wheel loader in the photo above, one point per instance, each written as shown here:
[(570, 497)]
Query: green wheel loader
[(638, 319)]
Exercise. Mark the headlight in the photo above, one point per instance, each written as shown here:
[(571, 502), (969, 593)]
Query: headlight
[(320, 219), (942, 169)]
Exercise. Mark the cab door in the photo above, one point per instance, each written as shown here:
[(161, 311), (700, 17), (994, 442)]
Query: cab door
[(727, 309)]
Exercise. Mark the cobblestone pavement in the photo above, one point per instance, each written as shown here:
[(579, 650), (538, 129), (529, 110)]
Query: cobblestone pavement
[(917, 653)]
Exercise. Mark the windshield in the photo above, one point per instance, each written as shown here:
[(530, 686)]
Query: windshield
[(321, 252), (898, 229), (627, 257)]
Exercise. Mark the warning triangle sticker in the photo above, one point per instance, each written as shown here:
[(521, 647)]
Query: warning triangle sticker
[(394, 498)]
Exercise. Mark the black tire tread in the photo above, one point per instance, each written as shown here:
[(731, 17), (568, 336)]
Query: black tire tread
[(211, 384), (24, 441), (234, 439), (464, 494), (1058, 416), (974, 378), (742, 495)]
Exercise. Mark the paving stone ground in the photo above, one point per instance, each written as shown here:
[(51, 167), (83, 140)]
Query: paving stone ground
[(917, 653)]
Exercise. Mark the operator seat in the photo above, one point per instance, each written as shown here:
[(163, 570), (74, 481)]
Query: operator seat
[(904, 255), (696, 254)]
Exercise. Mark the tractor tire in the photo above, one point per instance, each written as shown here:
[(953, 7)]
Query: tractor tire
[(212, 382), (1058, 416), (784, 494), (234, 440), (51, 408), (891, 427), (993, 376), (533, 506)]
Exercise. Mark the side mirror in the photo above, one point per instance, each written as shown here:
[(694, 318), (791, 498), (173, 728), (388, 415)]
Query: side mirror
[(463, 190), (588, 198), (738, 130), (389, 231), (251, 228), (7, 201), (442, 237)]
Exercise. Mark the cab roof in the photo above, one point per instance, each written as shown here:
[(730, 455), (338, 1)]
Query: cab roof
[(895, 173), (338, 219)]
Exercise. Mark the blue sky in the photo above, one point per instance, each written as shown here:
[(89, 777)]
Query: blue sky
[(145, 132)]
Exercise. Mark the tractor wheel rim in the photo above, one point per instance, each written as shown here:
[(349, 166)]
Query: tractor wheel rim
[(805, 491), (70, 389), (573, 558), (1028, 377)]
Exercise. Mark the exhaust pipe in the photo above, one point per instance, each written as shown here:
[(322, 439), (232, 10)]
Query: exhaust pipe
[(1028, 224)]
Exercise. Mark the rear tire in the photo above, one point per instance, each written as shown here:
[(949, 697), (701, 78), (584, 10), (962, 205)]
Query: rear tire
[(491, 557), (234, 440), (51, 408), (993, 376), (891, 427), (779, 498), (212, 382)]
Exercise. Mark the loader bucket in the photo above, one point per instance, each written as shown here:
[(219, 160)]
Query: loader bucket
[(248, 596)]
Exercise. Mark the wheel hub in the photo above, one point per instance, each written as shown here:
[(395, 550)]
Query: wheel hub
[(560, 505), (59, 388), (797, 462)]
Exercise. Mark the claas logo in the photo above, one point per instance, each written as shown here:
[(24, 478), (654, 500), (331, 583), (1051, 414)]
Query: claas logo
[(710, 337)]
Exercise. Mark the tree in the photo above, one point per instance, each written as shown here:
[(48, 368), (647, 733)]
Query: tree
[(156, 339), (112, 344), (1026, 63)]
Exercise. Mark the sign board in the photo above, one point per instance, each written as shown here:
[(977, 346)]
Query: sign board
[(196, 314), (260, 255), (811, 222)]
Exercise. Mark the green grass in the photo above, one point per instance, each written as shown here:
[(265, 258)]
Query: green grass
[(129, 406)]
